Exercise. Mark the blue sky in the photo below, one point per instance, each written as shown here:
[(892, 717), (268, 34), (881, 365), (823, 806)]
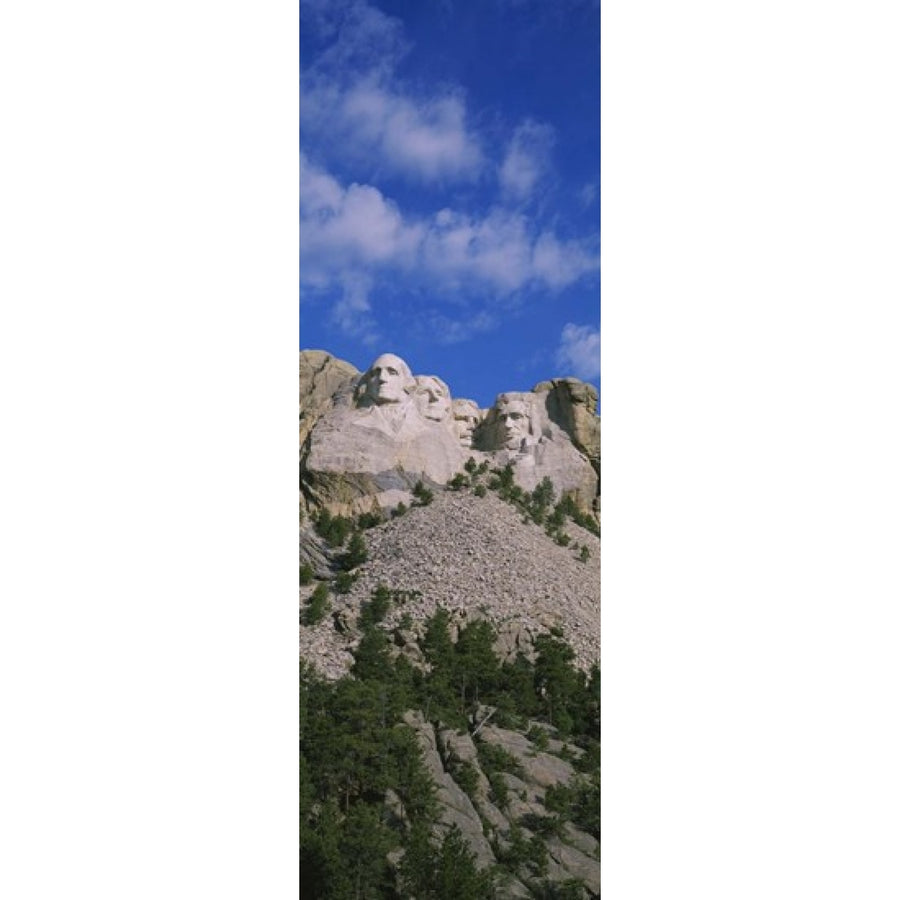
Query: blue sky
[(449, 187)]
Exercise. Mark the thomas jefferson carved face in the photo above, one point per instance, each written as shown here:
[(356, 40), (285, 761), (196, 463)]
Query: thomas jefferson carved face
[(388, 380), (434, 398)]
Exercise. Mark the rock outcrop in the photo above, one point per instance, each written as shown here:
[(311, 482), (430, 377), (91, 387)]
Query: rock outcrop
[(572, 404), (322, 376), (455, 805), (571, 853), (314, 552)]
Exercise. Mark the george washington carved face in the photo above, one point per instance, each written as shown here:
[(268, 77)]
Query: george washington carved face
[(388, 380)]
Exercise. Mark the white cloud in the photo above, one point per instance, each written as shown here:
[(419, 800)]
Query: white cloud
[(355, 240), (559, 263), (341, 228), (579, 351), (352, 236), (494, 250), (345, 234), (363, 38), (319, 192), (527, 159), (352, 312), (351, 101), (427, 139)]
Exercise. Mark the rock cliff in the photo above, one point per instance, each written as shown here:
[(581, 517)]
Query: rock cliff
[(366, 439)]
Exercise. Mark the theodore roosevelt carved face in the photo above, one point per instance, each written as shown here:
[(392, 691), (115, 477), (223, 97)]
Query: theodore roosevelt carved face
[(466, 417)]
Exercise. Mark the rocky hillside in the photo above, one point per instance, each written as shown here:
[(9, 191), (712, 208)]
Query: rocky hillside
[(477, 557), (449, 638)]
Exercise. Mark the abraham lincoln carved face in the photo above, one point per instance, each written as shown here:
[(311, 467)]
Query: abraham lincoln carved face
[(513, 423)]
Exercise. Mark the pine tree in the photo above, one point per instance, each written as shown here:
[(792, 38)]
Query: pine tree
[(456, 876), (475, 665), (356, 554), (506, 476), (436, 645), (544, 494), (317, 605), (364, 845), (410, 778), (344, 581), (555, 678), (445, 873), (372, 659), (438, 695)]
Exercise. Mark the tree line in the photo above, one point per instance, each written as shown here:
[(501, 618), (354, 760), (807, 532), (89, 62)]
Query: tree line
[(365, 795)]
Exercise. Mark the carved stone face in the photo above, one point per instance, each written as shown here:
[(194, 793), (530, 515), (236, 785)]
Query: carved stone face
[(388, 380), (433, 397), (467, 417), (513, 423)]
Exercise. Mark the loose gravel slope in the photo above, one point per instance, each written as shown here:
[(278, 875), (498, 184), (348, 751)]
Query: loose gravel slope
[(477, 558)]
